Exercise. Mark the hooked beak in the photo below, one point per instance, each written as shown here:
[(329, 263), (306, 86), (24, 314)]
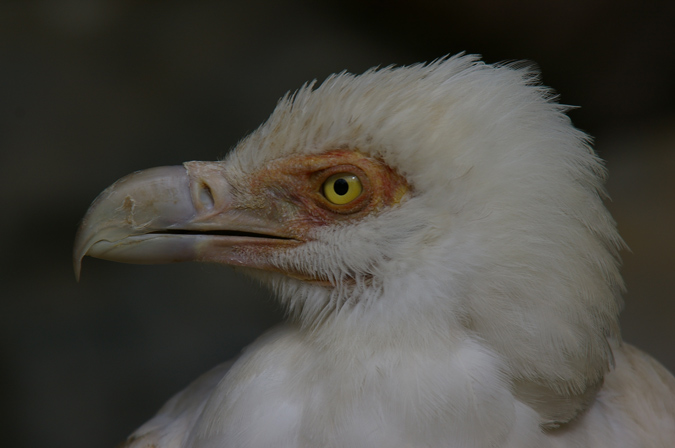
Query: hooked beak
[(178, 213)]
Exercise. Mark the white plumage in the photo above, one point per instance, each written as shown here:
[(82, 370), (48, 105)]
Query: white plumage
[(468, 297)]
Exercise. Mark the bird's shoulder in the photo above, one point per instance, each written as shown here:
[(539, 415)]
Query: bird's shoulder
[(645, 390), (635, 407), (169, 426)]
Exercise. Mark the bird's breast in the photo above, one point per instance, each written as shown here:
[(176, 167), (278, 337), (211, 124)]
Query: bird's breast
[(287, 391)]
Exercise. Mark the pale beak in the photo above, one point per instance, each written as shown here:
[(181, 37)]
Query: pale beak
[(178, 213)]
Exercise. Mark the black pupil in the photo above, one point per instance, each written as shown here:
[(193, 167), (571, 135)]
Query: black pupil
[(341, 187)]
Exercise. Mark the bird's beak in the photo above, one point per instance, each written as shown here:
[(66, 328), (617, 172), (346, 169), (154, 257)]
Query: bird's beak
[(178, 213)]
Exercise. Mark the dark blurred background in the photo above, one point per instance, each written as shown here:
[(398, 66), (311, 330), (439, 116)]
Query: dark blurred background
[(91, 90)]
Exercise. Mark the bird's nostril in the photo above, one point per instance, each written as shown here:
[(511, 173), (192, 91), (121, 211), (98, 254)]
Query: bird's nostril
[(205, 196)]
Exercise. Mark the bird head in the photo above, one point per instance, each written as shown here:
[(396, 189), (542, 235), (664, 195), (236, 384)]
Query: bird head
[(453, 195)]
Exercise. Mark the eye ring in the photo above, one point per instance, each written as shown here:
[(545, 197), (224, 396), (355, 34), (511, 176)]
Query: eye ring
[(342, 188)]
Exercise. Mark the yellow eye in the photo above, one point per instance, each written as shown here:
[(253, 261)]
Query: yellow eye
[(342, 188)]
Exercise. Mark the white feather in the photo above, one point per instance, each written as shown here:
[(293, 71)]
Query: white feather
[(484, 307)]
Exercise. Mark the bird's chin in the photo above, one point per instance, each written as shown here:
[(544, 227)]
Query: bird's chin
[(274, 277), (307, 278)]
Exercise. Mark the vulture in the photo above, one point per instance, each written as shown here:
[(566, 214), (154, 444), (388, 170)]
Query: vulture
[(437, 235)]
